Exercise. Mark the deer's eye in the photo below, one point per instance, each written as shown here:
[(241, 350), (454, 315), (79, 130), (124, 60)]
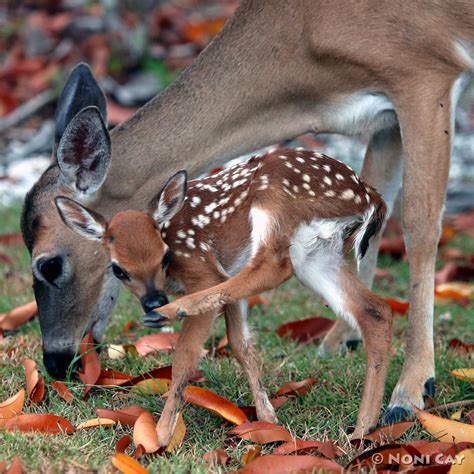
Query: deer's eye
[(119, 272), (166, 259)]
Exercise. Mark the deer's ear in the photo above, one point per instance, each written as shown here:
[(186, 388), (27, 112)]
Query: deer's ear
[(169, 201), (82, 221), (80, 91), (84, 153)]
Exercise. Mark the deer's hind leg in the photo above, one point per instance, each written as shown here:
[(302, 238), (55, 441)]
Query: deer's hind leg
[(244, 350), (319, 265)]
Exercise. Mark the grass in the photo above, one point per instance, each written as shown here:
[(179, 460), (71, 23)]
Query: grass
[(326, 412)]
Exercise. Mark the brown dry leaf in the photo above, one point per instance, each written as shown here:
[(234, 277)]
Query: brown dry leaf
[(398, 306), (48, 424), (126, 416), (387, 433), (444, 429), (464, 374), (306, 330), (12, 406), (144, 433), (34, 381), (251, 453), (215, 403), (94, 422), (11, 239), (128, 465), (152, 386), (467, 464), (162, 341), (460, 346), (327, 448), (112, 378), (290, 464), (257, 300), (455, 290), (18, 316), (123, 443), (381, 454), (217, 456), (178, 435), (62, 390), (90, 363), (300, 388), (15, 466), (261, 432)]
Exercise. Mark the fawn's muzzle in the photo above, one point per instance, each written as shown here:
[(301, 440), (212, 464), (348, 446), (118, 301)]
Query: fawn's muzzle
[(155, 320), (152, 301)]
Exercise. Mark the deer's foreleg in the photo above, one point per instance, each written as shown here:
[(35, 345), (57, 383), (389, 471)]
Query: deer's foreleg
[(383, 170), (427, 126)]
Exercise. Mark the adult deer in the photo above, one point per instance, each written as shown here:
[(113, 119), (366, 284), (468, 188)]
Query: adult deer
[(247, 229), (391, 70)]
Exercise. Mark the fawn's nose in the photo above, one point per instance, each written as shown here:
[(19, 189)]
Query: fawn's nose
[(153, 301)]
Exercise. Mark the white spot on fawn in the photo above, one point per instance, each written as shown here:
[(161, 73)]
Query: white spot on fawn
[(196, 200), (327, 180), (347, 194)]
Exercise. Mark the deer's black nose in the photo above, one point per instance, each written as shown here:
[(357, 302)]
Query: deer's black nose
[(58, 364), (153, 301), (50, 268)]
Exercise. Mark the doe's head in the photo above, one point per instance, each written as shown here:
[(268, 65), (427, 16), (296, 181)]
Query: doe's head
[(139, 257)]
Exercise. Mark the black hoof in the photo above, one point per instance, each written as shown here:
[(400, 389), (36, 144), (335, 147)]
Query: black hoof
[(394, 415), (353, 344), (155, 320), (430, 388)]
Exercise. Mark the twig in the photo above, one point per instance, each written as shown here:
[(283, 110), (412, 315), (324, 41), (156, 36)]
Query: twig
[(27, 109), (448, 406)]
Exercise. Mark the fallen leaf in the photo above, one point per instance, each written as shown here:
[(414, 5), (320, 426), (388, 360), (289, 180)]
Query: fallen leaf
[(464, 374), (94, 422), (273, 463), (44, 423), (214, 403), (112, 378), (296, 388), (11, 239), (459, 345), (128, 465), (305, 330), (455, 290), (12, 406), (62, 390), (257, 300), (144, 433), (18, 316), (261, 432), (380, 457), (90, 364), (152, 386), (454, 272), (445, 430), (15, 466), (217, 456), (34, 381), (327, 448), (178, 435), (123, 443), (162, 341), (466, 466), (251, 453), (457, 415), (126, 416), (398, 306), (388, 433)]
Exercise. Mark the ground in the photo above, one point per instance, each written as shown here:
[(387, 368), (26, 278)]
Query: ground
[(327, 412)]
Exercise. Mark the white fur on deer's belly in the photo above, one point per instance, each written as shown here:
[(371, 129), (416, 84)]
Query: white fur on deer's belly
[(363, 113), (316, 253)]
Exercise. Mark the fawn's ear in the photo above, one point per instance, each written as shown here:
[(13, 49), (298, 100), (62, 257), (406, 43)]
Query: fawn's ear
[(84, 153), (169, 201), (82, 221)]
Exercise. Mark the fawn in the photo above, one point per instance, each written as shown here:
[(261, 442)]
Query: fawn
[(247, 229)]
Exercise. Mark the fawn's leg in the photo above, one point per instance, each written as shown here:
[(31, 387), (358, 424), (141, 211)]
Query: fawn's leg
[(426, 119), (194, 333), (383, 170), (318, 264), (244, 350)]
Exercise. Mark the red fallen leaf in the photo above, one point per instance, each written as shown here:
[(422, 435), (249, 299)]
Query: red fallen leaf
[(460, 346), (123, 443), (112, 378), (127, 416), (261, 432), (251, 412), (49, 424), (464, 222), (11, 239), (128, 465), (222, 344), (161, 373), (18, 316), (305, 330), (5, 259), (139, 452), (117, 114), (454, 272), (382, 455), (162, 341), (34, 381), (273, 463), (217, 456), (451, 254), (257, 300), (386, 433), (90, 364), (144, 433), (296, 388), (12, 406), (15, 466), (450, 293), (327, 448), (251, 453), (398, 306), (214, 403), (62, 390), (129, 326), (202, 32)]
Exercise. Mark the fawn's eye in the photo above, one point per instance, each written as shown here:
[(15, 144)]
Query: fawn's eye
[(166, 259), (119, 272)]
